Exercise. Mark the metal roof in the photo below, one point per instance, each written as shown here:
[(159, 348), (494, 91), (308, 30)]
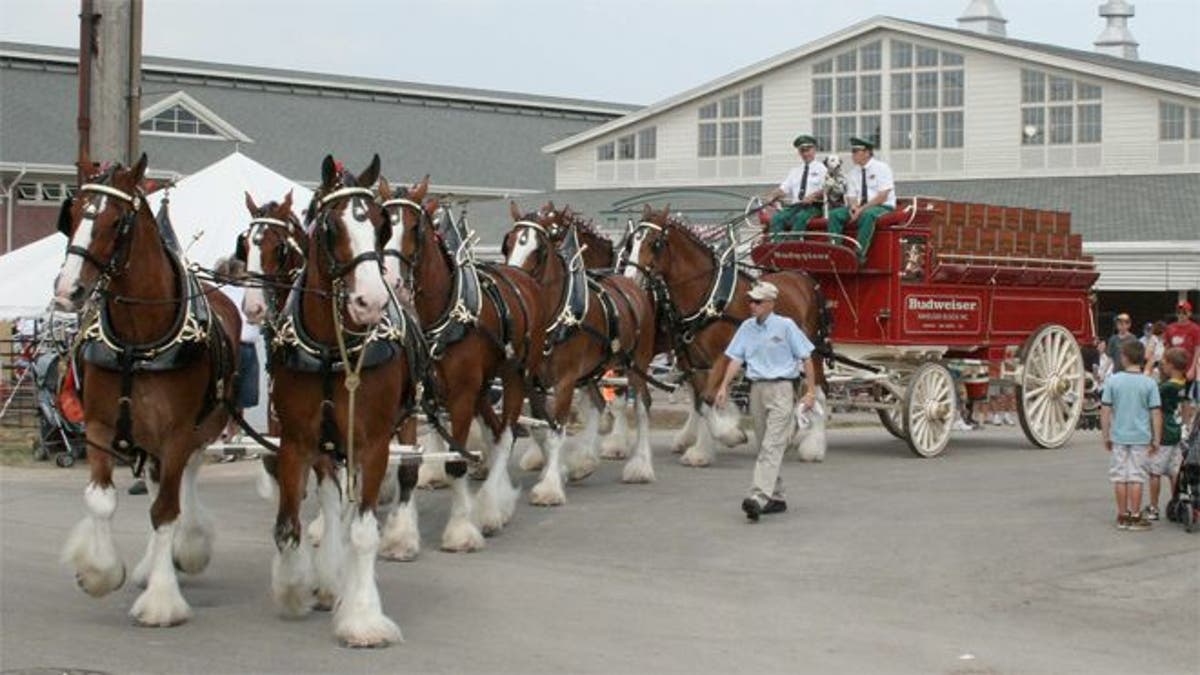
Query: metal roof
[(1103, 209), (479, 143)]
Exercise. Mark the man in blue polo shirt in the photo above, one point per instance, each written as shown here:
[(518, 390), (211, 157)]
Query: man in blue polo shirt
[(772, 347)]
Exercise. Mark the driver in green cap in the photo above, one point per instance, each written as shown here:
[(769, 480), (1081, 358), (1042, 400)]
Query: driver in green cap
[(870, 193), (802, 187)]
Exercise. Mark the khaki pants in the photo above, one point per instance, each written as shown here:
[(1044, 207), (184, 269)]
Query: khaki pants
[(772, 407)]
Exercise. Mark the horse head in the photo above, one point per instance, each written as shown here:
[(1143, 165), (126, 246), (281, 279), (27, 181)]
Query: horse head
[(350, 228), (647, 244), (533, 236), (409, 216), (99, 224), (273, 247)]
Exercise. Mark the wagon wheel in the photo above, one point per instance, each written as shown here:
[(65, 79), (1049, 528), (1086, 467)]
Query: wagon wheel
[(930, 405), (1050, 389), (892, 418)]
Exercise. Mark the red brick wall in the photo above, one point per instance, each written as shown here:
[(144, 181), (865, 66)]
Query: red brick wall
[(31, 222)]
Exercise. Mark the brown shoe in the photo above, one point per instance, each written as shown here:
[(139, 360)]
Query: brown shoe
[(1140, 522), (1123, 521)]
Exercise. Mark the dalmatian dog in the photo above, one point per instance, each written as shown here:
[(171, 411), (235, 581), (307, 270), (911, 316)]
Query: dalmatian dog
[(834, 185)]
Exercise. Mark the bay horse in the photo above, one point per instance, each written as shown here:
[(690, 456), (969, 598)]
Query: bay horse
[(340, 324), (159, 360), (703, 301), (598, 323), (480, 322)]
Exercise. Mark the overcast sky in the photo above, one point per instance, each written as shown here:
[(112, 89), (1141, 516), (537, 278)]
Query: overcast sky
[(629, 51)]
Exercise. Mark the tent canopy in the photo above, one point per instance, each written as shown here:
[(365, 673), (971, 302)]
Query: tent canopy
[(207, 209)]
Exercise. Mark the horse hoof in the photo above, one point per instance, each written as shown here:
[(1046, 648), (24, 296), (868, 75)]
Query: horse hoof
[(400, 553), (613, 453), (98, 583), (462, 537), (160, 609), (638, 472), (582, 469), (325, 600), (532, 460), (372, 633), (695, 460), (542, 495)]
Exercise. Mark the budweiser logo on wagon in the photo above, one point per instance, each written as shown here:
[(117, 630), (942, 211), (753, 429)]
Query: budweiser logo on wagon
[(944, 314)]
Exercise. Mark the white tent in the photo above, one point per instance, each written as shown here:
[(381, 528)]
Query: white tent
[(207, 209)]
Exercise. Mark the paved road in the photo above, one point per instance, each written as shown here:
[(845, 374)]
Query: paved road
[(996, 558)]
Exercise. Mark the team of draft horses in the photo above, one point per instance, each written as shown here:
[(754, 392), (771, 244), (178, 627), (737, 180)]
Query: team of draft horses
[(351, 366)]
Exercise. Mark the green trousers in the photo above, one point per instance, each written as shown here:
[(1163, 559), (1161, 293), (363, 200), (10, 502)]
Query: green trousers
[(793, 218), (866, 225)]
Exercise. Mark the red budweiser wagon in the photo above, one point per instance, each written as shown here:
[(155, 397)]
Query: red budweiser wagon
[(953, 293)]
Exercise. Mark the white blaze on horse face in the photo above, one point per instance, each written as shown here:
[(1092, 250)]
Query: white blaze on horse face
[(391, 262), (526, 245), (254, 305), (368, 294), (72, 267), (635, 252)]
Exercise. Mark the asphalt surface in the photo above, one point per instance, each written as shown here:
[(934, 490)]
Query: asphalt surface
[(995, 558)]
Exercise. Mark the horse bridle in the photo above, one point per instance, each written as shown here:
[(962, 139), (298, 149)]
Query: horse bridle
[(326, 226), (287, 247), (543, 252), (120, 254), (406, 263)]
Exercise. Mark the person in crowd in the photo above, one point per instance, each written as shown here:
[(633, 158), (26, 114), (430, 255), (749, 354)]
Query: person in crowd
[(1122, 336), (773, 348), (1131, 425), (1166, 462), (801, 188), (248, 367), (1155, 344), (1185, 334), (870, 193)]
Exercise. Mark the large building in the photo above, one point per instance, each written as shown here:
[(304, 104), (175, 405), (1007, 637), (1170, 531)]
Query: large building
[(474, 143), (962, 113)]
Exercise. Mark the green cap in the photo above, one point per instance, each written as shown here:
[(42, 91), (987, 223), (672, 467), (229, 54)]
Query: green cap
[(804, 139), (856, 142)]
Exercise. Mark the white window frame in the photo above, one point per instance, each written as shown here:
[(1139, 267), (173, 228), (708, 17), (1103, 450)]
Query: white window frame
[(225, 130)]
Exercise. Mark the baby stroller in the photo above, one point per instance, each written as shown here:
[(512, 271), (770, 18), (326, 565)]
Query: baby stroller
[(1184, 507), (58, 436)]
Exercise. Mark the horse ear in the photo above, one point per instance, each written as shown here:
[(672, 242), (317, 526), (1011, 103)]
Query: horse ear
[(371, 174), (431, 206), (139, 169), (287, 201), (514, 210), (550, 206), (251, 206), (646, 211), (385, 189), (666, 212), (328, 172), (420, 189), (567, 214)]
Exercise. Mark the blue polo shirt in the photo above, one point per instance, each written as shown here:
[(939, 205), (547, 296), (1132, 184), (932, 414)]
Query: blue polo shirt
[(771, 350), (1131, 396)]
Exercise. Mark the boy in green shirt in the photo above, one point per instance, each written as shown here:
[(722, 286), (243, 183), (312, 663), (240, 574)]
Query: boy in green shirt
[(1167, 460)]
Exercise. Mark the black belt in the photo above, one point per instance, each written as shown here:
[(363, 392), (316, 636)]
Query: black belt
[(775, 379)]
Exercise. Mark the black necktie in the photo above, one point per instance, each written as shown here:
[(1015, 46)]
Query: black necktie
[(803, 183), (863, 197)]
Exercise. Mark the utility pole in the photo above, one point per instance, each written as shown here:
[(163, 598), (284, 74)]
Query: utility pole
[(110, 79)]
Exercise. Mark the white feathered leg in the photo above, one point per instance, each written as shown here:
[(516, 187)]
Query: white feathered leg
[(479, 441), (534, 457), (192, 549), (331, 556), (90, 548), (497, 499), (549, 490), (292, 580), (359, 620), (614, 445), (701, 453), (812, 441), (432, 473), (582, 461), (685, 438), (265, 485), (724, 424), (401, 535), (640, 467), (161, 604), (141, 571), (461, 535)]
